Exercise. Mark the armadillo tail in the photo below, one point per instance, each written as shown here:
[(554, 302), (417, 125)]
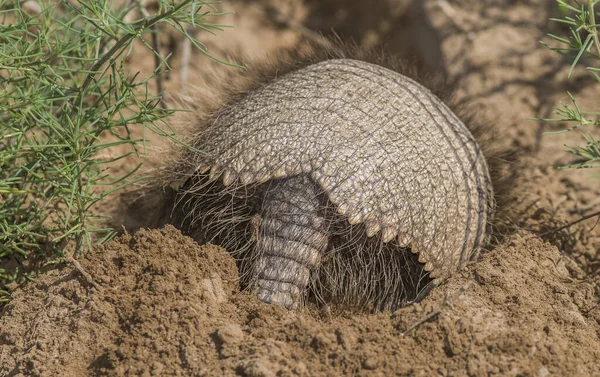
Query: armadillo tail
[(291, 239)]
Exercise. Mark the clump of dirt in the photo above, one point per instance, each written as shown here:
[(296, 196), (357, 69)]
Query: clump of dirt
[(158, 304)]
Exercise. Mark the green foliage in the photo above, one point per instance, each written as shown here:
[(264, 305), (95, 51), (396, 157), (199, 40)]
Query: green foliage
[(582, 45), (64, 87)]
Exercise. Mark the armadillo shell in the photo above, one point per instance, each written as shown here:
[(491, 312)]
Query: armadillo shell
[(383, 148)]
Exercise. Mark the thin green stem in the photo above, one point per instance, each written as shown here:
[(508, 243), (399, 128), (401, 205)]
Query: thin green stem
[(594, 26)]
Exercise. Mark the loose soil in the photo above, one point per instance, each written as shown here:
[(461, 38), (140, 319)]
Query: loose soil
[(156, 303)]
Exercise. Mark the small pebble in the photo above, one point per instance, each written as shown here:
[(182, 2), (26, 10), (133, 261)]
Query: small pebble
[(230, 334), (258, 368), (301, 369), (31, 7), (370, 363)]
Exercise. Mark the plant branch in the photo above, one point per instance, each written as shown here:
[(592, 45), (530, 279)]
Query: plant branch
[(147, 23), (583, 218)]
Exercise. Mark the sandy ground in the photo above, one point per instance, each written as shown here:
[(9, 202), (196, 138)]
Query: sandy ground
[(157, 304)]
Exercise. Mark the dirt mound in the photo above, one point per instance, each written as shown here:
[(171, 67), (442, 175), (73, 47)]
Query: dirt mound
[(157, 304)]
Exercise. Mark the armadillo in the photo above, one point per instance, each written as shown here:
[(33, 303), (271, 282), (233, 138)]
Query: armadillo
[(343, 181)]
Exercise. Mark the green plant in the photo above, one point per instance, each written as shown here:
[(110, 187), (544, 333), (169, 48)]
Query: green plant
[(65, 87), (582, 46)]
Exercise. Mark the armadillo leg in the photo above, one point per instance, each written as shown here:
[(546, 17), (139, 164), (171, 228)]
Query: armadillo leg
[(291, 239)]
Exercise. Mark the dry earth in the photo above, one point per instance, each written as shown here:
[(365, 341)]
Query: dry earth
[(157, 304)]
